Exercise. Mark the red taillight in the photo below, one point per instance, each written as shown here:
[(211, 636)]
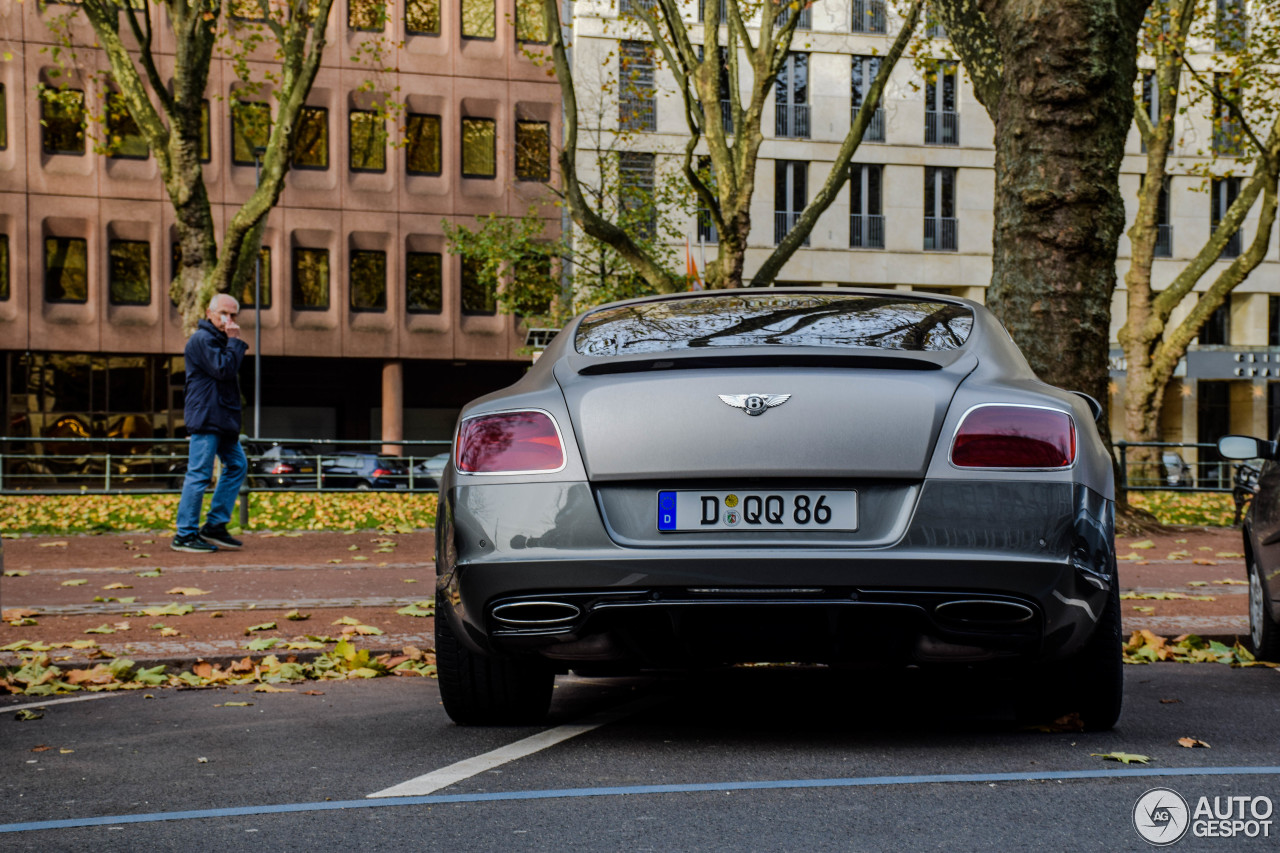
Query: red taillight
[(381, 472), (508, 442), (282, 468), (1014, 437)]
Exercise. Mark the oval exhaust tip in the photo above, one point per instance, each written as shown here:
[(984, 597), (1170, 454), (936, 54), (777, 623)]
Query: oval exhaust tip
[(526, 613), (979, 612)]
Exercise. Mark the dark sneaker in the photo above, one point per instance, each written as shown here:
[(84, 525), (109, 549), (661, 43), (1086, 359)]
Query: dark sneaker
[(217, 534), (192, 544)]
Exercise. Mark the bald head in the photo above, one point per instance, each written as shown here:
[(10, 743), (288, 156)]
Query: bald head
[(222, 313)]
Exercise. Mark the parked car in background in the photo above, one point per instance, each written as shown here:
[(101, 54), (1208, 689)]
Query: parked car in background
[(427, 473), (1176, 471), (822, 475), (281, 466), (363, 471), (1261, 532)]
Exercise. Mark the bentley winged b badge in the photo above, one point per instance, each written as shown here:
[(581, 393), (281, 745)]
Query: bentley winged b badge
[(754, 404)]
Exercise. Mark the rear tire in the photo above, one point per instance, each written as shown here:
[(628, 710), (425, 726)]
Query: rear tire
[(1090, 682), (1264, 632), (478, 690)]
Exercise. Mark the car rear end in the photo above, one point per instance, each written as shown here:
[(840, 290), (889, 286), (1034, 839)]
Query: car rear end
[(916, 497)]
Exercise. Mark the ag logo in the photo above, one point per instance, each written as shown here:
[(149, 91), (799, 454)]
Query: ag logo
[(1161, 816)]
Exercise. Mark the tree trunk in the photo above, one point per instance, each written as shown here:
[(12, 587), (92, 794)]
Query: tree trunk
[(1065, 107)]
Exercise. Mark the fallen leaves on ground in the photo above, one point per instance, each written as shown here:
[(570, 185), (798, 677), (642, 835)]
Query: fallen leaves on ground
[(418, 608), (186, 590), (1122, 757), (1164, 596), (37, 675), (1231, 582), (1191, 742), (1146, 647)]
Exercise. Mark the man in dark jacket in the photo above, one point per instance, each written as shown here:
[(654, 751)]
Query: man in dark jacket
[(213, 355)]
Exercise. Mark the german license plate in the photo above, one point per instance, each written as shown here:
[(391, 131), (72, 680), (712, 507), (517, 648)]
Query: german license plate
[(749, 509), (307, 470)]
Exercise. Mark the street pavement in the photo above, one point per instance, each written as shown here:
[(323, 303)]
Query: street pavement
[(79, 584)]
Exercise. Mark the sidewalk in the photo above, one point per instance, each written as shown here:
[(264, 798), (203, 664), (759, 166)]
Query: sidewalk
[(100, 584)]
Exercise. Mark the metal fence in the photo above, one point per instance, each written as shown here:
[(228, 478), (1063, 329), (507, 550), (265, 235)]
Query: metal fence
[(1181, 467), (32, 466)]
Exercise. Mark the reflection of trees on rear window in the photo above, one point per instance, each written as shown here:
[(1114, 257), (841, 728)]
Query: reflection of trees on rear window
[(794, 320)]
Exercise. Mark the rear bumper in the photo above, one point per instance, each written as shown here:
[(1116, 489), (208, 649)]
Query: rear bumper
[(1015, 571)]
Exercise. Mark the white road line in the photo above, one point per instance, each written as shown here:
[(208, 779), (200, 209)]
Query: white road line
[(446, 776), (4, 709)]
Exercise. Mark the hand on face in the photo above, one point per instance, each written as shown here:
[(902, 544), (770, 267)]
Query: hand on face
[(222, 313)]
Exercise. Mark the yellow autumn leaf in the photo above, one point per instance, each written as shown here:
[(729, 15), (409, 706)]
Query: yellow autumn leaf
[(186, 590)]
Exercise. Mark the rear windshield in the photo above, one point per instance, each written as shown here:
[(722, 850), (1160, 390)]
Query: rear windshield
[(763, 319)]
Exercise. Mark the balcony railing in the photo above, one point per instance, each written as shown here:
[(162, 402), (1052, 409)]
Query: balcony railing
[(1164, 241), (866, 231), (869, 17), (875, 127), (783, 222), (805, 22), (638, 113), (940, 234), (941, 128), (792, 120)]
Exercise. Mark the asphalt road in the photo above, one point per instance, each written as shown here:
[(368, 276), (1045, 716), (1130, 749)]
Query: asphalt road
[(750, 760)]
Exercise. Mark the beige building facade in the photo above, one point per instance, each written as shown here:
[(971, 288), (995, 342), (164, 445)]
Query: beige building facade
[(917, 211)]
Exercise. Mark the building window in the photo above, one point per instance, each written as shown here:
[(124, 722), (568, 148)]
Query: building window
[(479, 19), (479, 148), (636, 172), (66, 269), (533, 151), (1223, 194), (1164, 227), (4, 267), (941, 121), (791, 101), (206, 140), (940, 209), (422, 17), (869, 17), (1150, 100), (311, 140), (62, 121), (263, 275), (479, 288), (1231, 25), (250, 130), (368, 16), (706, 226), (726, 91), (1273, 323), (422, 144), (531, 25), (124, 140), (310, 279), (4, 118), (804, 23), (865, 69), (1228, 135), (423, 283), (866, 206), (368, 280), (129, 275), (635, 7), (702, 11), (637, 105), (367, 130), (1216, 330), (790, 195)]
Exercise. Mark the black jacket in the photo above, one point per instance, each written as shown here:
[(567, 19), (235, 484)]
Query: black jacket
[(213, 380)]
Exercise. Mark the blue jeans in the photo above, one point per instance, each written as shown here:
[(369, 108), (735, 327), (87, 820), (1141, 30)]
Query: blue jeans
[(204, 447)]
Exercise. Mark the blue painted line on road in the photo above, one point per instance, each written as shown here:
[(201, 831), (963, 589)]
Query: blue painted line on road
[(633, 790)]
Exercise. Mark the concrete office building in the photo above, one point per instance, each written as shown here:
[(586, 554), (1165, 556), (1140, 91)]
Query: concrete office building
[(370, 328), (917, 211)]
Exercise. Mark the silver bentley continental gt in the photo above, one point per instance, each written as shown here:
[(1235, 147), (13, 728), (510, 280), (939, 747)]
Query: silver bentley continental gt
[(782, 475)]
